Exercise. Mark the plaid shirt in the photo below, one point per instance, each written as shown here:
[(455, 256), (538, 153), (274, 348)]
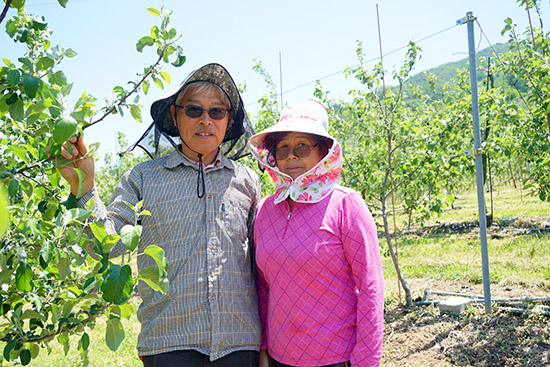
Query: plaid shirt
[(211, 305)]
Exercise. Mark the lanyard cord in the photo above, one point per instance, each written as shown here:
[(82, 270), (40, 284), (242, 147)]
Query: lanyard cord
[(200, 178), (201, 186)]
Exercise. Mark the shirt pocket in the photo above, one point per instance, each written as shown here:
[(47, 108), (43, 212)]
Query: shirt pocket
[(235, 211)]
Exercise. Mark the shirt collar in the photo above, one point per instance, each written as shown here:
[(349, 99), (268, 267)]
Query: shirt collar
[(311, 186), (177, 158)]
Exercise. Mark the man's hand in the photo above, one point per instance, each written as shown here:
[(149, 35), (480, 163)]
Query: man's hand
[(75, 149)]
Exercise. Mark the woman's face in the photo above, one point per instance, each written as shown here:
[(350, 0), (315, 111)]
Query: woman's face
[(293, 165)]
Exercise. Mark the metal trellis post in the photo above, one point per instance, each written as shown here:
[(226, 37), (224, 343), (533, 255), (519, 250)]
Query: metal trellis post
[(478, 151)]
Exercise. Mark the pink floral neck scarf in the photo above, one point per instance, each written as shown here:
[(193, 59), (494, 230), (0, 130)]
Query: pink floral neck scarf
[(310, 187)]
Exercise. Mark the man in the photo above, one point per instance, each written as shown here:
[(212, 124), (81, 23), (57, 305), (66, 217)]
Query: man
[(202, 207)]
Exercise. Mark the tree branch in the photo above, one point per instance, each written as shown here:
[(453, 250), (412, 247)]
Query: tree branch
[(5, 10), (52, 335), (113, 108)]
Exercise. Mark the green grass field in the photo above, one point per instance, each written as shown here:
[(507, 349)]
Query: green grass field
[(455, 257)]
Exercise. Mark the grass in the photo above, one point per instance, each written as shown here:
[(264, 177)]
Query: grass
[(507, 201), (522, 259), (513, 260)]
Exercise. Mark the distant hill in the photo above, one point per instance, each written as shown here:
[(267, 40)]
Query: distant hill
[(446, 72)]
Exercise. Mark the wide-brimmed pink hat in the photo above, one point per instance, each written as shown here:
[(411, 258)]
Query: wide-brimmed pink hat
[(309, 117)]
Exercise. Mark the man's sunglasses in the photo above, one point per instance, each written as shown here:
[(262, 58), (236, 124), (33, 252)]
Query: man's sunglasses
[(215, 113), (300, 151)]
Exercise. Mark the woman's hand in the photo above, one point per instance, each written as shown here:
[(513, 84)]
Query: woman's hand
[(264, 361)]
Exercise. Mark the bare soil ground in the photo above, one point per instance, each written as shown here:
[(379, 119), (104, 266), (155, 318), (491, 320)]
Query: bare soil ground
[(422, 336)]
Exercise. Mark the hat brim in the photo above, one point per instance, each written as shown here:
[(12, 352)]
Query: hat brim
[(289, 126)]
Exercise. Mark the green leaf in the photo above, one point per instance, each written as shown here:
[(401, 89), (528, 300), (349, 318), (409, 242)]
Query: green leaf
[(17, 4), (71, 202), (114, 334), (172, 33), (31, 314), (64, 267), (136, 113), (81, 175), (19, 152), (99, 231), (30, 86), (157, 254), (38, 23), (46, 251), (166, 76), (63, 339), (25, 357), (70, 52), (180, 60), (118, 284), (85, 341), (143, 42), (23, 277), (58, 78), (109, 241), (35, 350), (145, 86), (13, 187), (130, 236), (27, 63), (63, 3), (4, 213), (76, 214), (14, 77), (154, 11), (150, 276), (45, 63), (158, 82), (65, 127), (17, 110), (127, 310), (8, 348)]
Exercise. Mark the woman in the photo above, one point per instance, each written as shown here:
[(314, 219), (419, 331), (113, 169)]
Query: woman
[(320, 281)]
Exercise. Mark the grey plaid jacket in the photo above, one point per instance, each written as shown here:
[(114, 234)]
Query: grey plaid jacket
[(211, 305)]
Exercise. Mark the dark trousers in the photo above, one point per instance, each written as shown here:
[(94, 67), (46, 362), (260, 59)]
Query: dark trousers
[(192, 358), (274, 363)]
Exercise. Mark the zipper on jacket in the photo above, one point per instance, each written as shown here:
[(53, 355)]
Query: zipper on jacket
[(287, 221)]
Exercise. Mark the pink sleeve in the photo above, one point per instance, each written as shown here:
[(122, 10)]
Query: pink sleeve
[(360, 241), (263, 291), (263, 298)]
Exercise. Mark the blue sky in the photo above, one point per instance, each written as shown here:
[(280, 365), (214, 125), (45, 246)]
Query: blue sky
[(313, 39)]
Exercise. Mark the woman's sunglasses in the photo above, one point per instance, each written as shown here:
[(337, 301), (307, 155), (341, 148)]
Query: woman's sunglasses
[(215, 113), (300, 151)]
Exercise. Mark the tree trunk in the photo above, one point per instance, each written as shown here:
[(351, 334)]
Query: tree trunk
[(402, 281), (512, 174)]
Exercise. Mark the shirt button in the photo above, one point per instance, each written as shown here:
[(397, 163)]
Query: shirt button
[(210, 196), (212, 274), (212, 247), (212, 298)]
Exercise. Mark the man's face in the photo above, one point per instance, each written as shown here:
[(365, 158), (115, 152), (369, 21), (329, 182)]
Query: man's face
[(202, 134)]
